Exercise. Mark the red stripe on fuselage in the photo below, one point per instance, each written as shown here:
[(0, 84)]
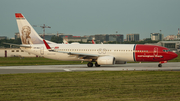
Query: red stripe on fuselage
[(151, 53)]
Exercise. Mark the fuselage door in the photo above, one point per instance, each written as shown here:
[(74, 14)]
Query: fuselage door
[(42, 50), (155, 51)]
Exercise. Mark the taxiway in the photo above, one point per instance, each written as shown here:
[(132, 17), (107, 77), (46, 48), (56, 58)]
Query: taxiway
[(171, 66)]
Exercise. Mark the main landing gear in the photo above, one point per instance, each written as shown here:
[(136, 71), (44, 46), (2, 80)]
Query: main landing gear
[(97, 65), (90, 64)]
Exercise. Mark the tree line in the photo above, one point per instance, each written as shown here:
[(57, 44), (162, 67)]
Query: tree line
[(57, 39)]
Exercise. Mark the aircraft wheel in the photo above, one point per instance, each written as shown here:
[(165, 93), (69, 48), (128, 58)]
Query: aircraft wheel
[(159, 65), (96, 64), (90, 64)]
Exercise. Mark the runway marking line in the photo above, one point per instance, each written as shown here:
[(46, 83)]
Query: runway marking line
[(67, 69)]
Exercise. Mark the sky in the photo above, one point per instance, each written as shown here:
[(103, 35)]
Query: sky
[(90, 17)]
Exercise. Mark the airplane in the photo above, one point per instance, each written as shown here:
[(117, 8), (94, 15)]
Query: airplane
[(101, 54), (65, 41), (93, 42)]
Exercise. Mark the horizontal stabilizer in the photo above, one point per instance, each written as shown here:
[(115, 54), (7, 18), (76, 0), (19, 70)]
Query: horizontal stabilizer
[(27, 46)]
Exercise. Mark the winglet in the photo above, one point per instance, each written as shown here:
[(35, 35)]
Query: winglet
[(47, 46), (93, 42)]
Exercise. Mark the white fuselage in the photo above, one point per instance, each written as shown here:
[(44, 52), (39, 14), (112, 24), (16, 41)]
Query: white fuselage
[(122, 52), (101, 54)]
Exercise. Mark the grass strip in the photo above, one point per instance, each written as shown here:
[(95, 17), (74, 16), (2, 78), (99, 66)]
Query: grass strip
[(90, 86), (17, 61)]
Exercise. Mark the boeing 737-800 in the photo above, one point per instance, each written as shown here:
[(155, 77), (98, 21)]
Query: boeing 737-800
[(101, 54)]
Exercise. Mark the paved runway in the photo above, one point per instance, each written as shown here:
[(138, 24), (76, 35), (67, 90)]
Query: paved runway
[(171, 66)]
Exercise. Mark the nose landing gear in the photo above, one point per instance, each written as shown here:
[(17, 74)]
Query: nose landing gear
[(161, 62), (159, 65)]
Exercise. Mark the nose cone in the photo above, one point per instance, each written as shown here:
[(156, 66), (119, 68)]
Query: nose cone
[(173, 55)]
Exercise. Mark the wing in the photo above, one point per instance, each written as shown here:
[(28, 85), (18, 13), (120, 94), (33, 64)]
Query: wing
[(78, 55), (27, 46)]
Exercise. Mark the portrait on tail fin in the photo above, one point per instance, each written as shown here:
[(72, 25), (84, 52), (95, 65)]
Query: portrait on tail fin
[(25, 37)]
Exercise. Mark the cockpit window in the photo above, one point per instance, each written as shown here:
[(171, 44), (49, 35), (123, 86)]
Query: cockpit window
[(167, 50)]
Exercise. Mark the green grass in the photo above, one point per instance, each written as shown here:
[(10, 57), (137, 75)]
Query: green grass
[(17, 61), (176, 59), (98, 85)]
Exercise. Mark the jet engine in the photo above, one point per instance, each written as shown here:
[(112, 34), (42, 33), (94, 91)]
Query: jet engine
[(106, 60)]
